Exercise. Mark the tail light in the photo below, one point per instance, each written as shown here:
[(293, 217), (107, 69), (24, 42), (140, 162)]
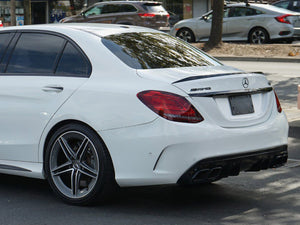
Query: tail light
[(282, 19), (146, 15), (170, 106), (168, 15), (279, 109)]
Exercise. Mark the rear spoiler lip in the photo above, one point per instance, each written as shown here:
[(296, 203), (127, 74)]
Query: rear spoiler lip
[(232, 93), (214, 75)]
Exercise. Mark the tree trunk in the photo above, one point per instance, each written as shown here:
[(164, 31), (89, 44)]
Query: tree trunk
[(72, 7), (215, 38), (27, 12), (13, 12)]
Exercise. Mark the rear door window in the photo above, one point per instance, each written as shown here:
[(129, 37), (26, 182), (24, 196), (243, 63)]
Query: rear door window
[(127, 8), (35, 53), (110, 8), (237, 12)]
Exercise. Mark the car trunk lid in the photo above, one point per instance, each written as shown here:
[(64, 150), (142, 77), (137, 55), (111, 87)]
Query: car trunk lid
[(227, 96)]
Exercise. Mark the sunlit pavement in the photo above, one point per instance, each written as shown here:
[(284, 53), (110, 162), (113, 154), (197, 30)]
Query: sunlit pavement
[(296, 42)]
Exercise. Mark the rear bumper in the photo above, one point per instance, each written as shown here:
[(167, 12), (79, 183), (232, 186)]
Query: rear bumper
[(297, 32), (160, 152), (211, 169)]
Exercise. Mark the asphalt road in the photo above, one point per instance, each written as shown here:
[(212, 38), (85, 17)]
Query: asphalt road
[(267, 197)]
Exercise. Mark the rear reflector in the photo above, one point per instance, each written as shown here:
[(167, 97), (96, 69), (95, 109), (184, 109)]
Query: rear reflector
[(282, 19), (279, 109), (170, 106)]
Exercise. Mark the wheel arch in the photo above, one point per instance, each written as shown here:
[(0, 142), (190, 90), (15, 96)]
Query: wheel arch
[(66, 122), (255, 27)]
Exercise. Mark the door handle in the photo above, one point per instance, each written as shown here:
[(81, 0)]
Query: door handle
[(53, 88)]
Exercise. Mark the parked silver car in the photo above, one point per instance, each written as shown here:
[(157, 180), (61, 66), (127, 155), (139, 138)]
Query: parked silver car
[(293, 5), (255, 23)]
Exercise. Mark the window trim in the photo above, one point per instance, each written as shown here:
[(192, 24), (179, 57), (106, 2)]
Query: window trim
[(11, 47), (9, 43)]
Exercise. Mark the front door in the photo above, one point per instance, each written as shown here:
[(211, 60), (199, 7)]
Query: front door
[(32, 88)]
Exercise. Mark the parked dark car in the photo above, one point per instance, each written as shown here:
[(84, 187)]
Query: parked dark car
[(174, 18), (293, 5), (140, 13)]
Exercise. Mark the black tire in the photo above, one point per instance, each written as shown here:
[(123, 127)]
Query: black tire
[(78, 166), (258, 35), (186, 34)]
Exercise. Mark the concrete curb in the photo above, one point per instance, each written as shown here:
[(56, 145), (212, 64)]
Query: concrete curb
[(256, 59)]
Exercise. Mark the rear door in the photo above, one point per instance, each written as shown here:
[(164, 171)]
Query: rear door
[(39, 74), (240, 20)]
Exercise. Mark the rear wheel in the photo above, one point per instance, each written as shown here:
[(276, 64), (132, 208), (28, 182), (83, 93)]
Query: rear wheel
[(77, 165), (186, 35), (258, 35)]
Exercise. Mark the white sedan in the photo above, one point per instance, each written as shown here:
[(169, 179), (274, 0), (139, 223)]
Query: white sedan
[(91, 106), (255, 23)]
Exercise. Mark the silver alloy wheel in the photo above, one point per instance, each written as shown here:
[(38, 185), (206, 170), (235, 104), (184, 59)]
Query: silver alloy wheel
[(186, 35), (74, 164), (258, 36)]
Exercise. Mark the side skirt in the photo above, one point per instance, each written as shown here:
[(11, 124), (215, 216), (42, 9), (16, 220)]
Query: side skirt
[(26, 169)]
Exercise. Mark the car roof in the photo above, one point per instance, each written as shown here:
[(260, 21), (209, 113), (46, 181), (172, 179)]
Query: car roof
[(97, 29), (126, 2), (266, 7)]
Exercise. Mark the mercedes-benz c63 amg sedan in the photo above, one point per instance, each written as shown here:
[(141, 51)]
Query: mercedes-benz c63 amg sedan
[(89, 106)]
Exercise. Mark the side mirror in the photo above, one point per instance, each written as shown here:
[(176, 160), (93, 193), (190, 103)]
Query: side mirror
[(82, 14), (204, 18)]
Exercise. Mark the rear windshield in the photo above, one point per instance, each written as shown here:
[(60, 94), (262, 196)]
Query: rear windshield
[(154, 7), (155, 50)]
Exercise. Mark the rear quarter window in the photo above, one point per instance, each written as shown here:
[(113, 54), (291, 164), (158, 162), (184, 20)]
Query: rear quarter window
[(72, 63)]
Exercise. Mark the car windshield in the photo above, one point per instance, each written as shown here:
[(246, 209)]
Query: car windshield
[(155, 50)]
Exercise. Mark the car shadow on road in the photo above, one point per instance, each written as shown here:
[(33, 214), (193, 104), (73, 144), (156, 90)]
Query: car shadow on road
[(267, 197), (287, 90)]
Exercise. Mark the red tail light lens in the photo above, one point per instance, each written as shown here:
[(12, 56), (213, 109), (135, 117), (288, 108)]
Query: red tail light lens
[(282, 19), (146, 15), (168, 15), (170, 106), (279, 109)]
